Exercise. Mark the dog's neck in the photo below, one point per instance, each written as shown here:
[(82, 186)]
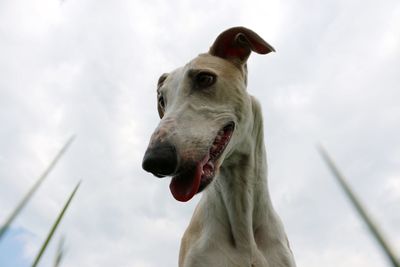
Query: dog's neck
[(243, 210)]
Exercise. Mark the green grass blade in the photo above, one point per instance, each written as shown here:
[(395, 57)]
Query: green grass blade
[(33, 189), (359, 208), (60, 253), (54, 227)]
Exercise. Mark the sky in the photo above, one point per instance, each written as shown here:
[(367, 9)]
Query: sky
[(90, 68)]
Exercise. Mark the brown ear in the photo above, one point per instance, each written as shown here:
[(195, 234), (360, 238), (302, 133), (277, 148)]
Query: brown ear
[(237, 43)]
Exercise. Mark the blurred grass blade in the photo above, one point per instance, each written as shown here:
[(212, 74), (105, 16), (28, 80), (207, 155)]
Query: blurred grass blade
[(60, 252), (54, 227), (359, 207), (33, 189)]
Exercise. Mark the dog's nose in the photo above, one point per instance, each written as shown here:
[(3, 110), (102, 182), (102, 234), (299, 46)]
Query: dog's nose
[(160, 159)]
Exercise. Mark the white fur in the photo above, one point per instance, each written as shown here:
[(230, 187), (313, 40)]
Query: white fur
[(234, 224)]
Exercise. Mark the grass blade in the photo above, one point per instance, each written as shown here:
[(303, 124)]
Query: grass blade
[(33, 189), (60, 253), (360, 209), (54, 227)]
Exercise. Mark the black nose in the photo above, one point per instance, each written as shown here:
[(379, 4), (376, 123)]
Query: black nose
[(160, 159)]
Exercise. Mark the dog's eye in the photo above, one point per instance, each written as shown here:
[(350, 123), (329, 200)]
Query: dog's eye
[(205, 79), (161, 102), (161, 106)]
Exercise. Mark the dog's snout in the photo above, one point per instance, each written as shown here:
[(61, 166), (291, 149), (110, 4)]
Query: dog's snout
[(160, 159)]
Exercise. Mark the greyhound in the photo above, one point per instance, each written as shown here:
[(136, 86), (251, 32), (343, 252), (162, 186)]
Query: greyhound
[(210, 138)]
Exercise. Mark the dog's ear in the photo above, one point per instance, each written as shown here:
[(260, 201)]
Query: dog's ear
[(236, 44)]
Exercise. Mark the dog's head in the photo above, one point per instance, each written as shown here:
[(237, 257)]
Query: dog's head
[(204, 110)]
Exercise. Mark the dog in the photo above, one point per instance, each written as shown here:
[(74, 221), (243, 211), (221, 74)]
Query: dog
[(210, 139)]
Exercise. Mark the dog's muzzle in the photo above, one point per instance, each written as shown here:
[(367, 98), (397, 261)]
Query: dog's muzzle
[(160, 159)]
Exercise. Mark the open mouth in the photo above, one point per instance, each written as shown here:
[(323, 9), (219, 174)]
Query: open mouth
[(194, 179)]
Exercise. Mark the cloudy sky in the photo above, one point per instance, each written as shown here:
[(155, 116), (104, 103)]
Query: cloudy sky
[(90, 68)]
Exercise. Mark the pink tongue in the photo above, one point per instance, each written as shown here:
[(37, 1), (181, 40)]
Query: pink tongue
[(184, 186)]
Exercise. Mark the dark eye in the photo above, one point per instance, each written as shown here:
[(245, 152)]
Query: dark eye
[(205, 79), (161, 102)]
